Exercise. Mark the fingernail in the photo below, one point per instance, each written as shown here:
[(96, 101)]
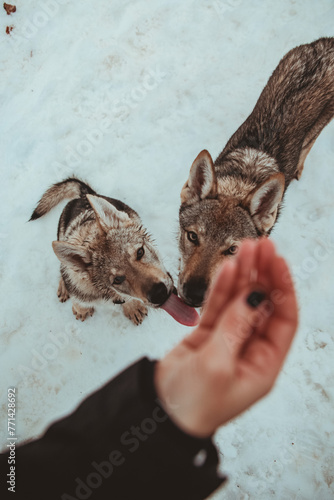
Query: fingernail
[(255, 298)]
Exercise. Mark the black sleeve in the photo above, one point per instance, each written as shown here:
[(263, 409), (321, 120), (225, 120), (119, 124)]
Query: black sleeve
[(118, 444)]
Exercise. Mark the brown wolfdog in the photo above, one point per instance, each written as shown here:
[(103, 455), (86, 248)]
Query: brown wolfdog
[(239, 195)]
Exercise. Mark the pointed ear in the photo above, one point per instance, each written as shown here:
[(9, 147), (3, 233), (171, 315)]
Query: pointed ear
[(264, 201), (107, 215), (202, 182), (77, 257)]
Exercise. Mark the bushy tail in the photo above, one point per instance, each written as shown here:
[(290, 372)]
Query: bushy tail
[(68, 189)]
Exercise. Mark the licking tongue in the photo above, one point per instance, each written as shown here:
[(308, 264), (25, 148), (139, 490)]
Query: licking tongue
[(182, 313)]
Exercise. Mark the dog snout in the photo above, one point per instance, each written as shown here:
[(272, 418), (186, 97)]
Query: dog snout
[(194, 291), (158, 294)]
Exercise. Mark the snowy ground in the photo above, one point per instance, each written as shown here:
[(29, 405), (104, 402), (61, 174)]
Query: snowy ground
[(125, 94)]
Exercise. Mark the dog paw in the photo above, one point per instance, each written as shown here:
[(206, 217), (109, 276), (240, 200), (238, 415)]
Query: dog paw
[(62, 293), (82, 313), (135, 311)]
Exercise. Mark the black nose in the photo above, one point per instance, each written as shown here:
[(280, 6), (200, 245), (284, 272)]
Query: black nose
[(194, 291), (158, 294)]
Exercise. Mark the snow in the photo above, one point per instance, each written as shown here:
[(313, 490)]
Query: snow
[(124, 95)]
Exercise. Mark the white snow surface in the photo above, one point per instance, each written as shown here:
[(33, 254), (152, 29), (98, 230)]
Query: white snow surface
[(124, 95)]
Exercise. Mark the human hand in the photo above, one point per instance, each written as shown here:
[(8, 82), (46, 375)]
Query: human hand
[(234, 356)]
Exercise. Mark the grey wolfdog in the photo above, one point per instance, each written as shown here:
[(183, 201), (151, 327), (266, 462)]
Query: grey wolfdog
[(105, 253), (240, 194)]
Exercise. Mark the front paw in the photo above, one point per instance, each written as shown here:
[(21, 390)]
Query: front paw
[(82, 313), (135, 311), (62, 292)]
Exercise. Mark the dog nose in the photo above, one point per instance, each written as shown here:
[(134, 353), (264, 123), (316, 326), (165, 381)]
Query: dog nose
[(194, 291), (158, 294)]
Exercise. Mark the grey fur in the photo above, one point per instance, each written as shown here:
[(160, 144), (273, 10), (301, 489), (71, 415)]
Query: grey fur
[(240, 195), (101, 239)]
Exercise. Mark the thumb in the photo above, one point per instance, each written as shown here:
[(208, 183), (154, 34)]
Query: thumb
[(246, 314)]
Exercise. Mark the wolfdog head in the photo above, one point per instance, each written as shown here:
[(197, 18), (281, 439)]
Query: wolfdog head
[(112, 258), (217, 212)]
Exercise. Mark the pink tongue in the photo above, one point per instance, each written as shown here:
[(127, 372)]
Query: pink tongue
[(184, 314)]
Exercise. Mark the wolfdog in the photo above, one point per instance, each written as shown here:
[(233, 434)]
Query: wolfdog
[(106, 253), (240, 194)]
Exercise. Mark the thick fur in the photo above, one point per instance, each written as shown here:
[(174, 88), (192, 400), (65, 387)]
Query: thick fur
[(240, 195), (105, 253)]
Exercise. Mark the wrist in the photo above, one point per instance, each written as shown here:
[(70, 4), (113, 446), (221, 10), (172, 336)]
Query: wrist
[(179, 403)]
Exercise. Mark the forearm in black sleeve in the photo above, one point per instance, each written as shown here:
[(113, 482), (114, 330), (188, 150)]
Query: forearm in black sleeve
[(119, 444)]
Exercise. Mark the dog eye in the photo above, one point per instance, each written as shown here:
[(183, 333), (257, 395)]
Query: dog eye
[(118, 280), (232, 250), (140, 253), (192, 237)]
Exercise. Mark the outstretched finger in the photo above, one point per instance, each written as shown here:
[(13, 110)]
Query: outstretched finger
[(220, 293), (246, 262), (267, 352), (235, 327), (283, 293), (264, 260), (242, 318)]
